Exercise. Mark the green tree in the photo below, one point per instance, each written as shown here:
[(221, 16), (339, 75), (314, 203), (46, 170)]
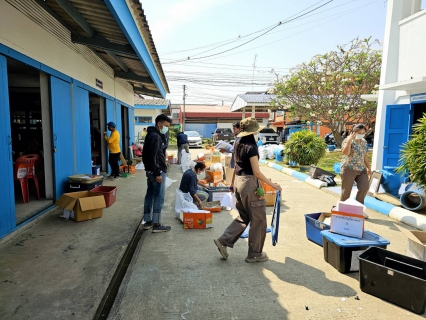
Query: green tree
[(327, 90)]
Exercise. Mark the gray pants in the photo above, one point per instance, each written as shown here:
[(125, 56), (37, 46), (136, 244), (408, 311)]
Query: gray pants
[(181, 147), (250, 209), (349, 176)]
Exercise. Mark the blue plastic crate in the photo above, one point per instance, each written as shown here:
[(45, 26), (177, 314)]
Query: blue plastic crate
[(314, 227)]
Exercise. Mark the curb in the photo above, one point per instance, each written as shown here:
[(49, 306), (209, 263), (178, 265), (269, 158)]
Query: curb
[(397, 213)]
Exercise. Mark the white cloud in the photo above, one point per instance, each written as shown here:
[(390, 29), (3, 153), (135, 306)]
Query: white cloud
[(183, 11)]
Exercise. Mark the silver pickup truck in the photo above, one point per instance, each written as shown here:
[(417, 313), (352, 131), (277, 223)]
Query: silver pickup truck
[(224, 134)]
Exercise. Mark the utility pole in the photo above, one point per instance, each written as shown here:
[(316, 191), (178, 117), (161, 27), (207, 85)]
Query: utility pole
[(183, 119)]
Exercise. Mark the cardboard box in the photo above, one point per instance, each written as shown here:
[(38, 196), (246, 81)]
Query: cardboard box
[(196, 219), (270, 197), (85, 204), (416, 245), (228, 159), (215, 159), (229, 173), (214, 176), (325, 218), (350, 206), (347, 224)]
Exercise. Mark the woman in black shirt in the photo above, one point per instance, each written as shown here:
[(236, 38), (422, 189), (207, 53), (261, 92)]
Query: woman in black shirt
[(251, 207)]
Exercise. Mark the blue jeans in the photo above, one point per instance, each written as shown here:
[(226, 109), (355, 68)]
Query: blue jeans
[(154, 198)]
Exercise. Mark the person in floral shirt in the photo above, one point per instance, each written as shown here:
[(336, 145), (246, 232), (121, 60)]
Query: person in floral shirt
[(355, 166)]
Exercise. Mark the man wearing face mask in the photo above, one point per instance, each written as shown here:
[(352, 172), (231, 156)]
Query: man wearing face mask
[(189, 184), (355, 166), (155, 166)]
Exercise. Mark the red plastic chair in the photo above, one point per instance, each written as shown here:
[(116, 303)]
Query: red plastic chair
[(25, 168)]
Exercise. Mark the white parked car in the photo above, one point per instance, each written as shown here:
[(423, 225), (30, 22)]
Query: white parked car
[(268, 135), (194, 139)]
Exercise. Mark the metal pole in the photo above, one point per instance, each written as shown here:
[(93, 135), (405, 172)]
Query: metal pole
[(183, 119)]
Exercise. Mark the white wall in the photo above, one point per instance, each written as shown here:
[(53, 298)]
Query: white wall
[(20, 33), (412, 47), (144, 113)]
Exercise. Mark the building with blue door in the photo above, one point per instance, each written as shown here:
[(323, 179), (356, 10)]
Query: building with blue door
[(145, 112), (67, 67), (402, 92)]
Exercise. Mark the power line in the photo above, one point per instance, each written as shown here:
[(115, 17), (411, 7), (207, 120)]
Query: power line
[(270, 29), (269, 43), (240, 38)]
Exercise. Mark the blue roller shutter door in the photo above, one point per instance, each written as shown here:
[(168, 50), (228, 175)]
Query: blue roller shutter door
[(82, 131)]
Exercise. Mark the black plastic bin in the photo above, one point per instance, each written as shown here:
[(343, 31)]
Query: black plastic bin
[(72, 186), (342, 251), (394, 277)]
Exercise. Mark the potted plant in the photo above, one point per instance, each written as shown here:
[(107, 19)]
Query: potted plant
[(305, 148)]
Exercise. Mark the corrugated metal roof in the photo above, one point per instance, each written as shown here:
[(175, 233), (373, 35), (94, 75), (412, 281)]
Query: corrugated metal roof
[(151, 102), (257, 98), (55, 20)]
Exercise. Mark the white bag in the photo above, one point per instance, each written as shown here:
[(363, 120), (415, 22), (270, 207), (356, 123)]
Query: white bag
[(228, 201), (185, 160), (183, 201), (169, 182)]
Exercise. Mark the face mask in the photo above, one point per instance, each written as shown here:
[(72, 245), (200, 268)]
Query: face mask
[(359, 136), (164, 130)]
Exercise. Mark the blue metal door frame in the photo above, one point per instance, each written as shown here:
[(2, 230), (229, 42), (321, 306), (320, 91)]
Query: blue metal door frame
[(82, 131), (62, 132), (397, 128), (7, 195)]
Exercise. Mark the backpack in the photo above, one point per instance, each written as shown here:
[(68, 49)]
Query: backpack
[(328, 179)]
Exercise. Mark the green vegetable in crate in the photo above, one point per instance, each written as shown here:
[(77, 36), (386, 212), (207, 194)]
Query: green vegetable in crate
[(260, 192)]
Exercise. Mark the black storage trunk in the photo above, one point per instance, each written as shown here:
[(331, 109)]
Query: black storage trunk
[(72, 186), (315, 172), (394, 277)]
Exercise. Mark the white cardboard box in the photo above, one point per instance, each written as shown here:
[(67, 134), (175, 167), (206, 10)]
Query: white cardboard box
[(416, 245), (347, 224)]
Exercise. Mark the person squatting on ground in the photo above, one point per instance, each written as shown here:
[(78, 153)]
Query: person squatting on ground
[(190, 184), (154, 160), (114, 150), (355, 165), (251, 207), (182, 143)]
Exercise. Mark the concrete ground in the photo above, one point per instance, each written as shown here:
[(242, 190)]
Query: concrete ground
[(180, 274), (60, 269)]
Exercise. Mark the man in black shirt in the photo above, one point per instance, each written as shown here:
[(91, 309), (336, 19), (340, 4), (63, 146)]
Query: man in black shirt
[(182, 143), (154, 160), (189, 184)]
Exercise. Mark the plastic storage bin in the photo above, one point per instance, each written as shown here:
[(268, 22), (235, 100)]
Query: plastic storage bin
[(314, 227), (109, 193), (217, 193), (342, 251), (394, 277), (72, 186)]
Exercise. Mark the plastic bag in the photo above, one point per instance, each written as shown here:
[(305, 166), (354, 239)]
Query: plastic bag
[(185, 160), (228, 201), (140, 166), (169, 182), (183, 201)]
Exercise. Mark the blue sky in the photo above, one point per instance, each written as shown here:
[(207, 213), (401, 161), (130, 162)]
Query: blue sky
[(180, 25)]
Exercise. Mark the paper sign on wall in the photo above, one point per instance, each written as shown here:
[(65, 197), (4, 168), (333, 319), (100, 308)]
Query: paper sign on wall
[(348, 225)]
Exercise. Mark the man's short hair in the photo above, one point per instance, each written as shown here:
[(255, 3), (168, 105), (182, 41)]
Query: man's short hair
[(200, 165), (236, 124), (162, 118)]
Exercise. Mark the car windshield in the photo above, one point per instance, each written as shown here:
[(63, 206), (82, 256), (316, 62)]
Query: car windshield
[(267, 130), (192, 134)]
